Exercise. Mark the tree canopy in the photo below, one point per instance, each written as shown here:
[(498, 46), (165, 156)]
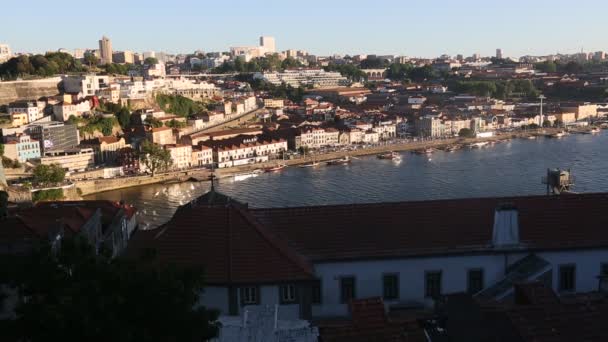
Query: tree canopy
[(50, 64), (466, 133), (151, 61), (48, 174), (75, 295), (178, 105), (154, 157)]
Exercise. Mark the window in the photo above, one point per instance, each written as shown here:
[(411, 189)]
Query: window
[(432, 285), (347, 289), (604, 269), (567, 278), (316, 292), (475, 281), (390, 285), (287, 293), (250, 295)]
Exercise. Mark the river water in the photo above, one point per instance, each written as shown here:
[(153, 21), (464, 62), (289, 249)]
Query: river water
[(509, 168)]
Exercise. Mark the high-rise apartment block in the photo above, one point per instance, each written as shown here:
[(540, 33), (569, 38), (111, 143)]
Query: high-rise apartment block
[(267, 44), (105, 50), (499, 54)]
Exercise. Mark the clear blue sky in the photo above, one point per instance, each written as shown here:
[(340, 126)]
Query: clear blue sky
[(413, 28)]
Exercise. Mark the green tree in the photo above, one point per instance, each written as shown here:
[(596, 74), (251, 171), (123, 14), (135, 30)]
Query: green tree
[(154, 157), (466, 133), (75, 294), (48, 174), (47, 195), (175, 124), (1, 150), (91, 60), (124, 117), (153, 122), (547, 66), (150, 61)]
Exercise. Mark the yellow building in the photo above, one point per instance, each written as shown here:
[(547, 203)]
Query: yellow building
[(274, 103), (565, 117), (19, 119)]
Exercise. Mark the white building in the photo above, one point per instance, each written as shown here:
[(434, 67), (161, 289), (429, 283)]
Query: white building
[(312, 261), (181, 156), (155, 70), (63, 110), (304, 77), (33, 109), (87, 85), (5, 53), (190, 89), (316, 137), (245, 150), (78, 159)]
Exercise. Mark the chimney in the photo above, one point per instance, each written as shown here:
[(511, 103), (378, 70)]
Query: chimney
[(506, 226)]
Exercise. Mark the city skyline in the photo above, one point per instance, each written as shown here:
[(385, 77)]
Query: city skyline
[(391, 27)]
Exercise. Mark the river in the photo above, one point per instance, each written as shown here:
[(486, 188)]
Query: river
[(509, 168)]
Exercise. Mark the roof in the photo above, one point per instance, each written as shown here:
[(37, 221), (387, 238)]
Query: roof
[(405, 229), (38, 222), (370, 323), (160, 129), (546, 318), (224, 239)]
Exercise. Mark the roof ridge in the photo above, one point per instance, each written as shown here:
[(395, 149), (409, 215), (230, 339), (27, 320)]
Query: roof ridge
[(278, 243)]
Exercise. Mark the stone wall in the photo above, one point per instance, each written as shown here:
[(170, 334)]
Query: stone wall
[(88, 187), (28, 90)]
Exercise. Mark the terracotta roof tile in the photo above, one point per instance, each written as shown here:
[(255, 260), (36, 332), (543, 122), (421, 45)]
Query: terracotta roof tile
[(227, 242), (436, 227)]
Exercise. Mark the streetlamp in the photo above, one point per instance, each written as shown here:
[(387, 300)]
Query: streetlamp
[(541, 97)]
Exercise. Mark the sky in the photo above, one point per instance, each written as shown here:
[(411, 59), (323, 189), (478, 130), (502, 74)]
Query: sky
[(401, 27)]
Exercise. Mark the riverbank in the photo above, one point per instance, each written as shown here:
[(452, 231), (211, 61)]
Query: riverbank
[(94, 186), (399, 147)]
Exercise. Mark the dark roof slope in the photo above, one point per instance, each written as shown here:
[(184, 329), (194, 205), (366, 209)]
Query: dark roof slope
[(227, 242), (325, 233)]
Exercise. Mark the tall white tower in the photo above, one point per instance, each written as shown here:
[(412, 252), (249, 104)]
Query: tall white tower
[(267, 44)]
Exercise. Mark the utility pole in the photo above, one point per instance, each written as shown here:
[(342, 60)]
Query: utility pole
[(541, 97)]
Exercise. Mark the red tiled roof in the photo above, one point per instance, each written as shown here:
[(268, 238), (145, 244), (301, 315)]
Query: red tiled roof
[(361, 231), (227, 242), (40, 220)]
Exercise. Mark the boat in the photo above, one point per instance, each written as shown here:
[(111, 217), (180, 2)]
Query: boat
[(556, 135), (595, 130), (341, 161), (389, 156), (478, 144), (424, 151), (245, 175), (279, 167), (532, 137), (453, 148), (310, 164)]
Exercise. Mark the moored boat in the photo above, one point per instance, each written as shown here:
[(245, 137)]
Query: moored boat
[(310, 164), (389, 156), (341, 161), (279, 167)]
